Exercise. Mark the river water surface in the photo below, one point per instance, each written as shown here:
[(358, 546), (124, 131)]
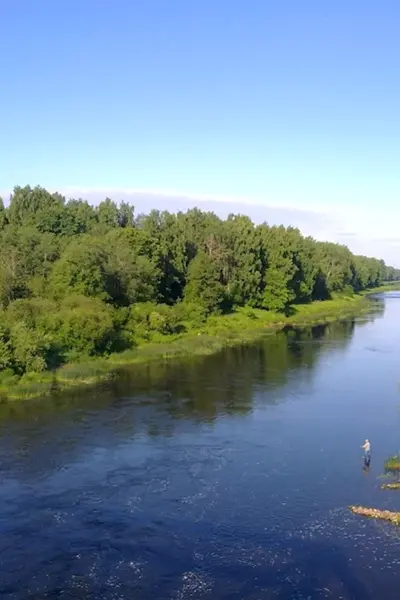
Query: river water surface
[(223, 477)]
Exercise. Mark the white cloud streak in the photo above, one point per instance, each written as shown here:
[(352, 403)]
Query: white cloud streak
[(365, 231)]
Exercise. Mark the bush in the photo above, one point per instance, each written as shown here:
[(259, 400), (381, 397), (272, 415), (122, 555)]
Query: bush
[(147, 318), (29, 349), (8, 377), (86, 327), (34, 312)]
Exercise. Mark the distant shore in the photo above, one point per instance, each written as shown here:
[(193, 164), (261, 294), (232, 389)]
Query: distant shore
[(240, 327)]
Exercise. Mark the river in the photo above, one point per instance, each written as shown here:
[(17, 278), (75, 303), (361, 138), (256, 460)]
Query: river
[(220, 477)]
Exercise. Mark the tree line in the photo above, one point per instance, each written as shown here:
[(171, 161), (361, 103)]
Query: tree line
[(78, 280)]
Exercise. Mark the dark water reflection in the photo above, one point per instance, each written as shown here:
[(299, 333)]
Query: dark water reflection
[(224, 477)]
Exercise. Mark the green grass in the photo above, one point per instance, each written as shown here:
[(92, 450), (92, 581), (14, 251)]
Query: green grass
[(337, 308), (243, 326), (390, 286)]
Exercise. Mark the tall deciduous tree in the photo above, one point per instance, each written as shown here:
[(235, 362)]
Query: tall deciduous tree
[(204, 283), (76, 280)]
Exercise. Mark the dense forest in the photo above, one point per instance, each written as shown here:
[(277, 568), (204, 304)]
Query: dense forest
[(78, 281)]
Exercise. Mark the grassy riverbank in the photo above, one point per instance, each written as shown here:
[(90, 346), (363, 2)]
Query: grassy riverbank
[(391, 286), (242, 326)]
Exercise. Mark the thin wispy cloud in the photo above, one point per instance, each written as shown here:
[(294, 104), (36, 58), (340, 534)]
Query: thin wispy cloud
[(310, 222), (363, 232)]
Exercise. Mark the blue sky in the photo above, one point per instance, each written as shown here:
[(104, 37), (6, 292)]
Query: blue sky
[(274, 109)]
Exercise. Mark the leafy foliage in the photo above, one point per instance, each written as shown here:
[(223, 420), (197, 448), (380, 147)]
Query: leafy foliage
[(78, 281)]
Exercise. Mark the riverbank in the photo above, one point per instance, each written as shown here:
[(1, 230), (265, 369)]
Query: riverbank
[(391, 286), (240, 327)]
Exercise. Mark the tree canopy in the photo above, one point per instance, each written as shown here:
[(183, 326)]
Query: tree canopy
[(78, 280)]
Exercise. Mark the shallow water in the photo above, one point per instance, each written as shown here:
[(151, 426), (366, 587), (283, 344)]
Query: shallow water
[(224, 477)]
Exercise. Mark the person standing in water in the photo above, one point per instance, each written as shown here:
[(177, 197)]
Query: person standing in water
[(367, 451)]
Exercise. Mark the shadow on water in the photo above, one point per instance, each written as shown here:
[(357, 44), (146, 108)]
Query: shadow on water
[(366, 466)]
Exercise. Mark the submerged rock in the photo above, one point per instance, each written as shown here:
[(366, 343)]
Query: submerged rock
[(391, 486), (374, 513)]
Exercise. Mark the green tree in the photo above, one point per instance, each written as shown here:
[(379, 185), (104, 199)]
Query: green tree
[(29, 349), (77, 218), (126, 215), (203, 283), (334, 262), (82, 269), (240, 255), (278, 269), (6, 358), (79, 281), (3, 215), (107, 213)]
